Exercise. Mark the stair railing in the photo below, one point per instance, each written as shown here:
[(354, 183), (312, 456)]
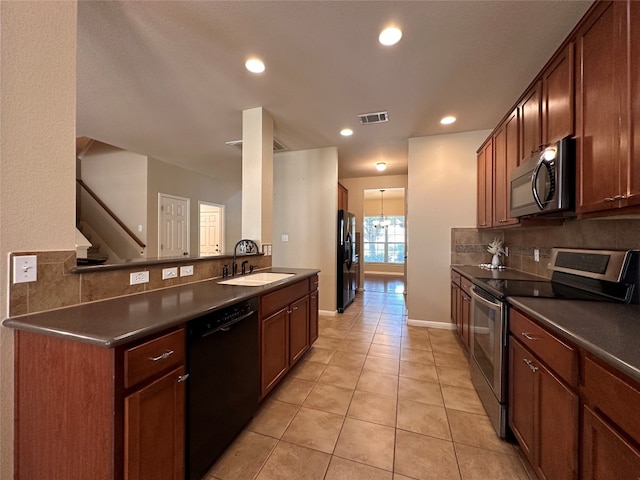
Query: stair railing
[(109, 212)]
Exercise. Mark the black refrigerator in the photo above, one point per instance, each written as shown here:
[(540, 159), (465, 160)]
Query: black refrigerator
[(346, 256)]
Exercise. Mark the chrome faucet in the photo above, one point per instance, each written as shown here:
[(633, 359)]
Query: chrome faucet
[(246, 246)]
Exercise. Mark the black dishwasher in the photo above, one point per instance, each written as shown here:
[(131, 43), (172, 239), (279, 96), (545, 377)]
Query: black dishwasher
[(223, 386)]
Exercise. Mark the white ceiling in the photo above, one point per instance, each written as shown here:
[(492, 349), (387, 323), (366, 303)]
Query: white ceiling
[(167, 79)]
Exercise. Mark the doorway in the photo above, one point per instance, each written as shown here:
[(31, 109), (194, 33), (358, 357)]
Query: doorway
[(384, 240), (173, 225), (211, 218)]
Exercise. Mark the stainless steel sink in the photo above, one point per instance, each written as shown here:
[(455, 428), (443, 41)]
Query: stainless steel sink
[(256, 279)]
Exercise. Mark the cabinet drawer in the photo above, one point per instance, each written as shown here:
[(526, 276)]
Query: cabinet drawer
[(313, 283), (272, 302), (466, 285), (455, 277), (613, 396), (560, 357), (145, 360)]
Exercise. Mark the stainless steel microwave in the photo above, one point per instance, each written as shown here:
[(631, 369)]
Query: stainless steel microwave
[(545, 182)]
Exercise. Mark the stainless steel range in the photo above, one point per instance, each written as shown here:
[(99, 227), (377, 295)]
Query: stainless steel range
[(590, 275)]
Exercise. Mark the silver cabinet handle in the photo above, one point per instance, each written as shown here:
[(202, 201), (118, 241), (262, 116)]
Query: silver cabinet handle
[(610, 199), (295, 308), (183, 378), (530, 364), (162, 356), (528, 336)]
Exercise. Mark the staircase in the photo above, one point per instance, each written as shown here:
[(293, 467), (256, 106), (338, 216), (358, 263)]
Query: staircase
[(96, 254)]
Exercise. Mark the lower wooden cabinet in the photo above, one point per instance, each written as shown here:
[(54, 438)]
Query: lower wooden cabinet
[(154, 429), (606, 455), (461, 307), (313, 315), (298, 329)]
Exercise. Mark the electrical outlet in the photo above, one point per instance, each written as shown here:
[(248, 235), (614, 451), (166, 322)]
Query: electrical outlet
[(25, 268), (169, 273), (536, 255), (186, 271), (506, 251), (285, 238), (137, 278)]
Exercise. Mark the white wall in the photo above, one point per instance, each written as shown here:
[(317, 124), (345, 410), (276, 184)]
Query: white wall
[(442, 195), (37, 155), (305, 204), (170, 179), (356, 187)]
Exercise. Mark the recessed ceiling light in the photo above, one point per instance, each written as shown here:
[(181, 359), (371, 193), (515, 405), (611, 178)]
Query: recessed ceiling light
[(346, 132), (448, 120), (254, 65), (390, 36), (381, 166)]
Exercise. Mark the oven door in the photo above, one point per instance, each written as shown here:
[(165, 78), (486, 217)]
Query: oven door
[(489, 356)]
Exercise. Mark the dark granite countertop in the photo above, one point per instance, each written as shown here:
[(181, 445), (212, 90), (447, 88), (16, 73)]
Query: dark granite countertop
[(114, 322), (610, 331), (473, 272)]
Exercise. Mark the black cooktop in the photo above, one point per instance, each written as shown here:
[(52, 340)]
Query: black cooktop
[(543, 289)]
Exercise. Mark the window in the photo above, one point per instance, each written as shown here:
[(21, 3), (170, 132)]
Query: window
[(384, 244)]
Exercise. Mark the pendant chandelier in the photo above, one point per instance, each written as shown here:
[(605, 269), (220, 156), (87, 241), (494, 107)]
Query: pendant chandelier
[(381, 222)]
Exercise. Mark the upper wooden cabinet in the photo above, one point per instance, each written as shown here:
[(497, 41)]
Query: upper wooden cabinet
[(608, 108), (557, 97), (485, 185), (505, 158), (530, 120), (343, 197)]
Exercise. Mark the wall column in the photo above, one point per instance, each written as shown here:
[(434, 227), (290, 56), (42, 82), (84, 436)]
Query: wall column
[(257, 175)]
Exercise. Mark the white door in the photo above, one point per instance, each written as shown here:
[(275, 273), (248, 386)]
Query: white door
[(210, 229), (173, 226)]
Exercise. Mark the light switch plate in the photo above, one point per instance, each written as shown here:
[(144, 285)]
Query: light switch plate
[(536, 255), (25, 268), (169, 273), (137, 278), (285, 238), (186, 270)]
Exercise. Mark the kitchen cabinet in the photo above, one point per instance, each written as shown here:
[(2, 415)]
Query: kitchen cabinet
[(608, 108), (313, 311), (505, 155), (84, 411), (286, 325), (461, 306), (610, 431), (543, 403), (530, 122), (485, 185), (557, 107), (343, 197)]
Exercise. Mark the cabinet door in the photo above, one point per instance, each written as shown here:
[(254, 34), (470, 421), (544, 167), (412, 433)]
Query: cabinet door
[(530, 139), (313, 316), (154, 430), (505, 158), (632, 108), (557, 97), (274, 349), (557, 427), (605, 454), (597, 111), (521, 397), (455, 307), (485, 186), (298, 329), (465, 317)]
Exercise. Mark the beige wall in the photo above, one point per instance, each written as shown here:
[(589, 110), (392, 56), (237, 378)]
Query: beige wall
[(305, 202), (356, 187), (442, 193), (37, 152)]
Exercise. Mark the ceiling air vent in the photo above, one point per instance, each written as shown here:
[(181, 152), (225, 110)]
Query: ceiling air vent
[(377, 117), (278, 146)]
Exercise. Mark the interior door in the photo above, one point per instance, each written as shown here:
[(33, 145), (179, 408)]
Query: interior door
[(173, 226), (210, 229)]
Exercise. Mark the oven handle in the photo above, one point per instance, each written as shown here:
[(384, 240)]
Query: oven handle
[(491, 305)]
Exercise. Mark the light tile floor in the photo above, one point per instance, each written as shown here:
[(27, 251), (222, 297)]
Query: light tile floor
[(374, 399)]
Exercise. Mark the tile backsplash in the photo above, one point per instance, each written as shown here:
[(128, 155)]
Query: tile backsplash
[(469, 245), (57, 286)]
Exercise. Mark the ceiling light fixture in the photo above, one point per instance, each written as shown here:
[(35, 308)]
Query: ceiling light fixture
[(346, 132), (254, 65), (381, 166), (448, 120), (381, 222), (390, 36)]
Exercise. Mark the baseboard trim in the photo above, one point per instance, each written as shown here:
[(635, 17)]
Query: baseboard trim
[(389, 274), (427, 323), (328, 313)]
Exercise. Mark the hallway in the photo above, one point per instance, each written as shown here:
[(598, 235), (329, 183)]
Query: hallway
[(373, 399)]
